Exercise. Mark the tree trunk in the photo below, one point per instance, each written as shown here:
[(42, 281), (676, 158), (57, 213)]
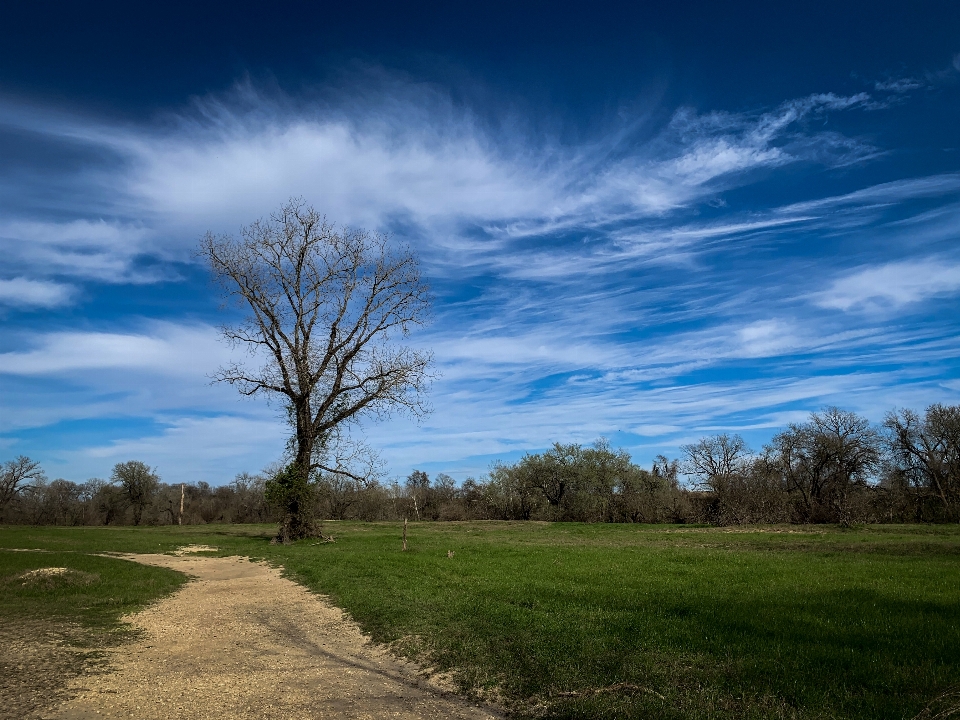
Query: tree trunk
[(298, 518)]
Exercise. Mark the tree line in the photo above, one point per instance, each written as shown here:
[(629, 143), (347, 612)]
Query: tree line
[(836, 467)]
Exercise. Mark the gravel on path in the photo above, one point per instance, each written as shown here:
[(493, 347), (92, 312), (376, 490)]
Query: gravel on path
[(242, 641)]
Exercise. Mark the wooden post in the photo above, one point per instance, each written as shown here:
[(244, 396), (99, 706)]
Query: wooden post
[(180, 517), (404, 534)]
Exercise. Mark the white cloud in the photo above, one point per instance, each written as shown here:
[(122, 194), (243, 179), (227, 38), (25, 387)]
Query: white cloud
[(767, 337), (891, 285), (90, 250), (883, 194), (169, 350), (898, 85), (81, 234), (407, 153), (191, 449), (25, 293)]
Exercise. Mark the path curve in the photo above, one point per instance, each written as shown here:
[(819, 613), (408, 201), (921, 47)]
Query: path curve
[(242, 641)]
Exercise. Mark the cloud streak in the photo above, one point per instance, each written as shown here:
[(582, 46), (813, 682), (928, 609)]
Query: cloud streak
[(391, 160), (892, 285), (630, 284), (166, 348), (26, 293)]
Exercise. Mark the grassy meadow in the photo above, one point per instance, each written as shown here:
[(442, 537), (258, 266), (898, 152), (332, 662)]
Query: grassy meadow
[(85, 589), (614, 621)]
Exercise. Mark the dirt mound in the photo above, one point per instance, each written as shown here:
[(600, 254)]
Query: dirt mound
[(50, 578)]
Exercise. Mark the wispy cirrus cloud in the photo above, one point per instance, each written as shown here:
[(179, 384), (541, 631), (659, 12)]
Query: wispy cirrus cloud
[(94, 250), (616, 284), (164, 348), (892, 285), (409, 154), (26, 293)]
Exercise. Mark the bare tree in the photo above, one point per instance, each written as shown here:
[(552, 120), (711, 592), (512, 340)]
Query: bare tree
[(824, 461), (418, 485), (325, 306), (926, 452), (714, 461), (14, 474)]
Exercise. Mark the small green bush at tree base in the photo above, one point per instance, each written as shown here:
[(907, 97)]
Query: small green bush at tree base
[(293, 494)]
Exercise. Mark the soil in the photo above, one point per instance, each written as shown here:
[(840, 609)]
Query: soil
[(39, 659), (241, 641)]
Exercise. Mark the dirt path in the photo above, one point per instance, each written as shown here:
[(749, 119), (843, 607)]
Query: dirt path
[(241, 641)]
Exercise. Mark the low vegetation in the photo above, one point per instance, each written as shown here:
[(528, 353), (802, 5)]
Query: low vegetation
[(835, 468), (571, 620), (78, 587)]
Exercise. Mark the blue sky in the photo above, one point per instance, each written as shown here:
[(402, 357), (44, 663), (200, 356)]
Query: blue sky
[(640, 223)]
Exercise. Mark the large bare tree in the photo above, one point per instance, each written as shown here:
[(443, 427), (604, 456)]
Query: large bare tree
[(326, 307)]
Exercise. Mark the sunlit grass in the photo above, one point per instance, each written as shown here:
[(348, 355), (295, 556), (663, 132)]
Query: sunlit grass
[(593, 621), (91, 590)]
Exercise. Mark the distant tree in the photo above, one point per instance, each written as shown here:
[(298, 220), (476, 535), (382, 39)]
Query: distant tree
[(603, 473), (640, 497), (14, 475), (340, 493), (667, 469), (925, 453), (715, 461), (445, 486), (742, 488), (472, 500), (88, 513), (418, 485), (444, 499), (509, 494), (325, 306), (111, 503), (138, 483), (249, 502), (823, 462), (557, 473), (62, 500)]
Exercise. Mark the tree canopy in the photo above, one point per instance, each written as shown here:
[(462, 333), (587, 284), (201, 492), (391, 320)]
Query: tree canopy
[(326, 307)]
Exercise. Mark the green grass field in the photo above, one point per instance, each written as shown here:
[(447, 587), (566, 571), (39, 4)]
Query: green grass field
[(615, 621), (94, 591)]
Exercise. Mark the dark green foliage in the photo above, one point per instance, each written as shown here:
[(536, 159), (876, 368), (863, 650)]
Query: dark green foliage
[(293, 494), (138, 484), (586, 484)]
